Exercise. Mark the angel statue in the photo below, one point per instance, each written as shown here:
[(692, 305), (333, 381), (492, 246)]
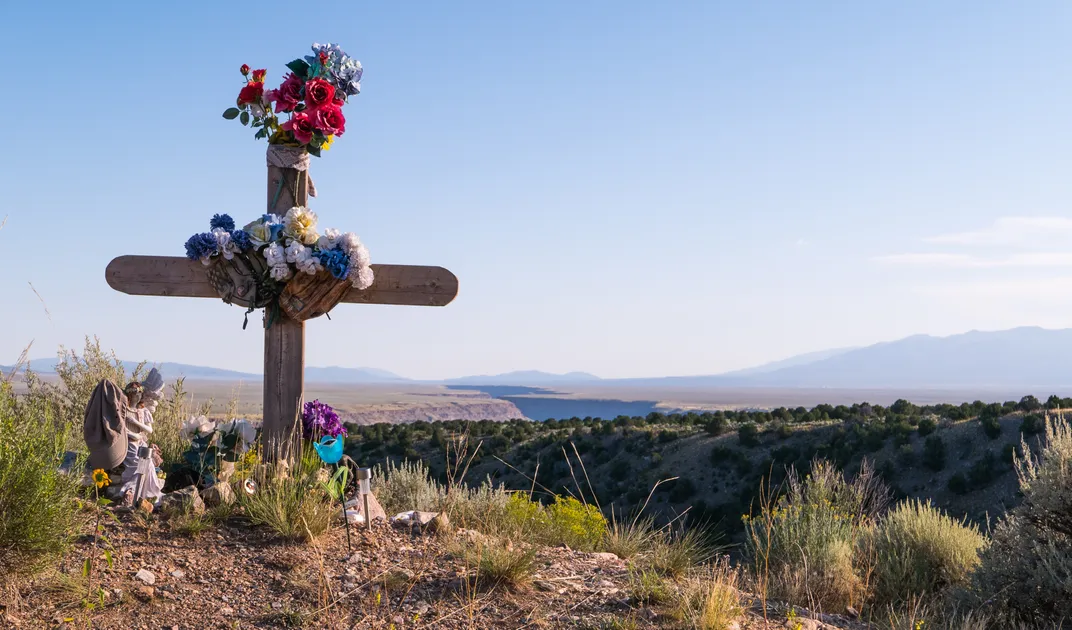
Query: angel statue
[(141, 464)]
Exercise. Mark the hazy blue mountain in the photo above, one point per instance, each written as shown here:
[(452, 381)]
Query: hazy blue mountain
[(1018, 358), (799, 359), (335, 374), (525, 377)]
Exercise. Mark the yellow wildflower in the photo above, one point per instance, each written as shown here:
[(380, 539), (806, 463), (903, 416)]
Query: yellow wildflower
[(327, 143), (100, 478)]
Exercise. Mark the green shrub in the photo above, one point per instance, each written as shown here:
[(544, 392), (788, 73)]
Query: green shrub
[(803, 546), (407, 486), (958, 484), (934, 453), (1027, 571), (926, 426), (921, 551), (748, 434), (1032, 424), (992, 427), (37, 502)]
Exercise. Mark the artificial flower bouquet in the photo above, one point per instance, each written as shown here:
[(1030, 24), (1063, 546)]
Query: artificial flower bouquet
[(288, 245), (312, 95)]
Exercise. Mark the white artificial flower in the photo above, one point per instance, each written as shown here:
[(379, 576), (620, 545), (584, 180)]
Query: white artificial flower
[(259, 233), (361, 278), (310, 265), (198, 425), (224, 244), (280, 272), (359, 256), (296, 252), (273, 219), (275, 255), (206, 261), (245, 431), (300, 224), (329, 240), (348, 242)]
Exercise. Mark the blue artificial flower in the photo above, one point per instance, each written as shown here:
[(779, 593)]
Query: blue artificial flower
[(277, 230), (240, 238), (200, 245), (222, 221), (335, 261), (341, 70)]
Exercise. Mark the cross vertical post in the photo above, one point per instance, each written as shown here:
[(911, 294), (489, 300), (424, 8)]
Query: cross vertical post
[(284, 338)]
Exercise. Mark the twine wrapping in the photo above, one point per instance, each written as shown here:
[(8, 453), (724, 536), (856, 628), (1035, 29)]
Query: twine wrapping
[(296, 158)]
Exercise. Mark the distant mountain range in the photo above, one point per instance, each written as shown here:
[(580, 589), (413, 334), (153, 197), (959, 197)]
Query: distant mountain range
[(1016, 358)]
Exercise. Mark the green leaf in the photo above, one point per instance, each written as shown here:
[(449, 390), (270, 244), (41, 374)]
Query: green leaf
[(86, 566), (231, 113), (299, 67), (108, 557), (260, 134), (314, 151), (245, 118)]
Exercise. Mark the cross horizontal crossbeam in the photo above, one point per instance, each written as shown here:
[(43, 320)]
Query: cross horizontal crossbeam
[(412, 285)]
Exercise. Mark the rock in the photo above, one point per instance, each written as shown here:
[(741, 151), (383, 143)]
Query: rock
[(227, 610), (182, 501), (375, 509), (852, 613), (440, 524), (145, 593), (145, 506), (145, 577), (218, 494), (178, 574), (604, 556)]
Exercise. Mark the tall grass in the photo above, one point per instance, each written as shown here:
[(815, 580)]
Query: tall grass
[(804, 544), (37, 507), (711, 599), (293, 506)]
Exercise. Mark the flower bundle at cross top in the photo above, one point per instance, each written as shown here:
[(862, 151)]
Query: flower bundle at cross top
[(312, 96), (319, 419), (288, 245)]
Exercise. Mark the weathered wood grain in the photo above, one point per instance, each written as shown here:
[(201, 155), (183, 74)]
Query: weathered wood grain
[(284, 342), (306, 297), (175, 276)]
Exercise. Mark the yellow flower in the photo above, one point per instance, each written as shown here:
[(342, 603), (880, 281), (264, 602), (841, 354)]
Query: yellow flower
[(100, 478), (327, 143)]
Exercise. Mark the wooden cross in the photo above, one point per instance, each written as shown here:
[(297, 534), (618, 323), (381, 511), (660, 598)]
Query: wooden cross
[(284, 340)]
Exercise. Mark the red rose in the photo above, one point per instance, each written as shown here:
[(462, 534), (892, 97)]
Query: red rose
[(319, 92), (329, 120), (289, 94), (252, 93), (258, 75), (301, 125), (244, 69)]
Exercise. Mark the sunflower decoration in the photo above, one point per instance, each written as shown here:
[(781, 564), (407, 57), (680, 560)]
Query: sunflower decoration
[(100, 478)]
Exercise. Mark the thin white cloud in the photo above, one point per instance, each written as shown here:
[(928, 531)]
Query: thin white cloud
[(967, 261), (1010, 231)]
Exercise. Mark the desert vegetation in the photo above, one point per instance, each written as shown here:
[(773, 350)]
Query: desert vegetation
[(860, 514)]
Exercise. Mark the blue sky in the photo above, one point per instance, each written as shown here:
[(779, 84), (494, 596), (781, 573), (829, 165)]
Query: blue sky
[(625, 188)]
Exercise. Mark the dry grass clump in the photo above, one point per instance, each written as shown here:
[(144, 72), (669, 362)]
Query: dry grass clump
[(673, 552), (629, 539), (711, 599), (498, 562), (921, 551), (295, 507)]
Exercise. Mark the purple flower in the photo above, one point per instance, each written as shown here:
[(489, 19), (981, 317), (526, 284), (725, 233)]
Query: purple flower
[(200, 245), (319, 419), (222, 221)]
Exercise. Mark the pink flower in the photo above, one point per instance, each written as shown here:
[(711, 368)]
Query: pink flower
[(301, 125), (289, 94), (318, 93), (329, 120)]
